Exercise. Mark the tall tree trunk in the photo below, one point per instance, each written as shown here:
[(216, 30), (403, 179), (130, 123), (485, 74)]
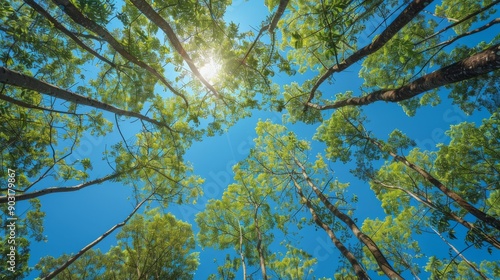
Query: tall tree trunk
[(439, 185), (411, 11), (262, 260), (365, 239), (154, 17), (471, 67), (279, 13), (76, 15), (427, 202), (14, 78), (358, 269), (242, 256)]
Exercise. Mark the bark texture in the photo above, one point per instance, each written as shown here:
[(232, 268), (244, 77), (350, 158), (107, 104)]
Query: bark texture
[(14, 78), (412, 10), (471, 67)]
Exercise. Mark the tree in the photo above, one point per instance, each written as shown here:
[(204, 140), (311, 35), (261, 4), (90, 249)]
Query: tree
[(395, 62), (151, 246), (243, 220), (282, 158), (423, 176), (133, 74)]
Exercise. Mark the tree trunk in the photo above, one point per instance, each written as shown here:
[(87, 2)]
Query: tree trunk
[(426, 201), (279, 13), (438, 184), (411, 11), (154, 17), (365, 239), (262, 260), (14, 78), (358, 269), (242, 256), (471, 67), (72, 11)]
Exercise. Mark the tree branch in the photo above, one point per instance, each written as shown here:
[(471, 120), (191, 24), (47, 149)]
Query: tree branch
[(63, 29), (19, 197), (14, 78), (471, 67), (76, 15), (95, 242), (402, 20), (154, 17)]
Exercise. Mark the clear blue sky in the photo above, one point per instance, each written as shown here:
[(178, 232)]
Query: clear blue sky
[(75, 219)]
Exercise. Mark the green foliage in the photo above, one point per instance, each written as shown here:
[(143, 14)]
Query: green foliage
[(97, 10), (151, 246), (40, 134), (17, 233), (468, 165), (459, 269), (470, 162), (394, 236), (295, 264)]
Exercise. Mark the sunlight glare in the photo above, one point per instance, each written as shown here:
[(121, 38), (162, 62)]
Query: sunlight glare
[(210, 70)]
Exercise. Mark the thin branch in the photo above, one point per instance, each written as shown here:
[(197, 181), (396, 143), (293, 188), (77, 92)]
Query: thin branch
[(63, 29), (77, 16), (95, 242), (479, 29), (461, 255), (458, 22), (4, 199), (154, 17), (31, 106)]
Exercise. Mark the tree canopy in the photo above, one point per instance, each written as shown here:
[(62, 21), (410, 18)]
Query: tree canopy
[(112, 96)]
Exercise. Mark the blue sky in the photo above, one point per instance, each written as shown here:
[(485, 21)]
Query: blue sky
[(75, 219)]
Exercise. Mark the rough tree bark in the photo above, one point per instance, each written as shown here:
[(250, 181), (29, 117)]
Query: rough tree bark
[(412, 10), (17, 79), (471, 67)]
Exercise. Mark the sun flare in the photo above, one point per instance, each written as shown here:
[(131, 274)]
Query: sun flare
[(210, 70)]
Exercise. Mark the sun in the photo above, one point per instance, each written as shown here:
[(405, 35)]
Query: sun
[(210, 70)]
